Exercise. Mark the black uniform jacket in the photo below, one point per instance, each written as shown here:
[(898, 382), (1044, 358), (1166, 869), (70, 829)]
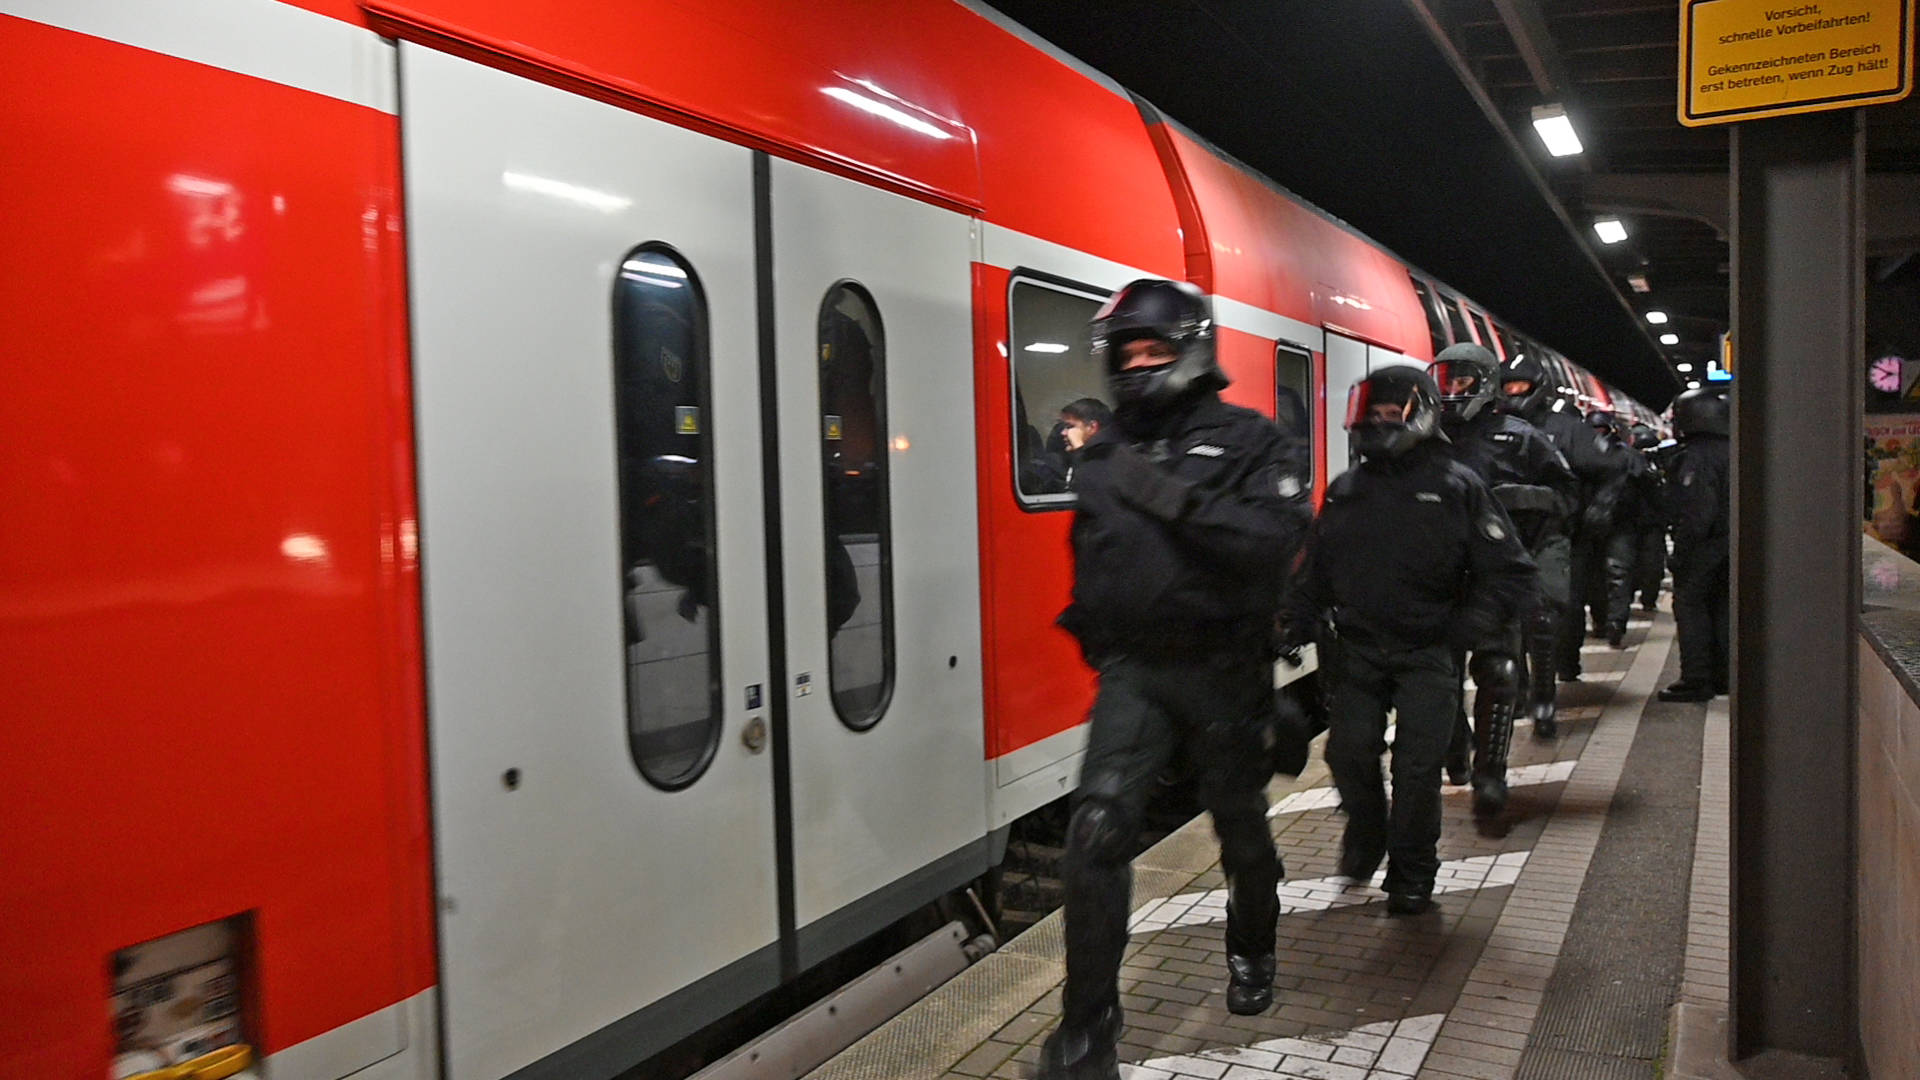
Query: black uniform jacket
[(1184, 533), (1414, 551), (1698, 488), (1528, 476)]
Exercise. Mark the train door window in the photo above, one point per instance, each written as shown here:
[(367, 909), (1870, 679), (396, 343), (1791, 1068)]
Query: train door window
[(1480, 327), (1506, 343), (1455, 320), (853, 452), (1435, 330), (1054, 373), (663, 433), (1293, 398)]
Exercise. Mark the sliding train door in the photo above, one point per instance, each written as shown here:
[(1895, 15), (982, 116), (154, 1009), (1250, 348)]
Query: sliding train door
[(872, 293), (593, 543)]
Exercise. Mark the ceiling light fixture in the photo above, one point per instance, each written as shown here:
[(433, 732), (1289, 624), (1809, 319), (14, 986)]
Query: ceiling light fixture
[(1638, 282), (1046, 347), (1656, 317), (1609, 230), (1556, 131), (1683, 368), (1669, 339)]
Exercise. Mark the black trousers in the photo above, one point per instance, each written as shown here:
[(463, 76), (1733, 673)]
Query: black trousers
[(1703, 617), (1587, 556), (1650, 563), (1543, 625), (1616, 599), (1217, 710), (1422, 686)]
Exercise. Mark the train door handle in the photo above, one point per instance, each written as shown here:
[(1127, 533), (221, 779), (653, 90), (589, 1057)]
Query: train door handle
[(754, 735)]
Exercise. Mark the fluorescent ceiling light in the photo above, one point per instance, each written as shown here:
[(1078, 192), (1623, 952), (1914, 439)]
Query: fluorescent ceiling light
[(1693, 384), (657, 269), (593, 199), (1046, 347), (1638, 282), (1683, 367), (1609, 230), (885, 112), (1556, 131), (1669, 339), (1656, 317)]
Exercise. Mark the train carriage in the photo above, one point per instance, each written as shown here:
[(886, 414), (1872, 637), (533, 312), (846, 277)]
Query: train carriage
[(522, 536)]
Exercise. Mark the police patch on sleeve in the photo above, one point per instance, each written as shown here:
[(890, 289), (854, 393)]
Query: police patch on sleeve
[(1289, 487), (1494, 531)]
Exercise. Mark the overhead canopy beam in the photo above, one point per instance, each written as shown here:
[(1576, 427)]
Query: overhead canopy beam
[(1528, 29)]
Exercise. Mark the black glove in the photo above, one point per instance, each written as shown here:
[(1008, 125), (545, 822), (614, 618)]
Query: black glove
[(1133, 479)]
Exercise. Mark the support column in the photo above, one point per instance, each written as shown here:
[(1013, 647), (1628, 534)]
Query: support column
[(1798, 335)]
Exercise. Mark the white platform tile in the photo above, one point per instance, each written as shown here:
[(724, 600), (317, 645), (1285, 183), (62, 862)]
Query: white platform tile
[(1383, 1050)]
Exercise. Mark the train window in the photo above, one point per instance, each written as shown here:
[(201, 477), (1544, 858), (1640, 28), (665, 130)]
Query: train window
[(1454, 320), (1293, 400), (663, 434), (1054, 374), (1434, 328), (1506, 343), (1480, 326), (853, 453)]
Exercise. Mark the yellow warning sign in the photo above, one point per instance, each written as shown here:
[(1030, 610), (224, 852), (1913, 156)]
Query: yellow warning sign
[(686, 419), (833, 427), (1747, 59)]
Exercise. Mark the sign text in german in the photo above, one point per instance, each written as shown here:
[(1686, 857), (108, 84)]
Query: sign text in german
[(1747, 59)]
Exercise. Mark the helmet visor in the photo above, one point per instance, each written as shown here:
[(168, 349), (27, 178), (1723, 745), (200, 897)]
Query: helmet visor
[(1376, 402), (1458, 381)]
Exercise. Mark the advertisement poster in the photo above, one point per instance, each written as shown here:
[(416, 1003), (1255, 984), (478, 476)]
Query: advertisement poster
[(1893, 481)]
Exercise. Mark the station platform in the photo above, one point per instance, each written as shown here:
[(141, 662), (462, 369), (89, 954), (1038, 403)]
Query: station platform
[(1580, 935)]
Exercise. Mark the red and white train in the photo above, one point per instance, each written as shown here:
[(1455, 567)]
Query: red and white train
[(519, 528)]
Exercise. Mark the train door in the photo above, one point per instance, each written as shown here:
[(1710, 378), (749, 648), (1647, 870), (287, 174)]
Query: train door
[(872, 293), (1346, 365), (1348, 361), (593, 548)]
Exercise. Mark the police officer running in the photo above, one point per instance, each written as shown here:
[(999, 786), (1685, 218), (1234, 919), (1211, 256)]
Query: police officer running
[(1189, 514), (1532, 482), (1412, 559), (1699, 486)]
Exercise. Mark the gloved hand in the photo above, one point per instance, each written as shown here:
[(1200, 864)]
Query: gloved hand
[(1132, 478)]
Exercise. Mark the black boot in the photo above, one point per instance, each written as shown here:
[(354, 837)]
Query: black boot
[(1545, 724), (1089, 1052), (1249, 984), (1617, 638), (1358, 861), (1489, 795), (1458, 765), (1686, 691)]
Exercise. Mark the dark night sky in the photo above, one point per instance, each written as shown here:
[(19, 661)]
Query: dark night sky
[(1350, 104)]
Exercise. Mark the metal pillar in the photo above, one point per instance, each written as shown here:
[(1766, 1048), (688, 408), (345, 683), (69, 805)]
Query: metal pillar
[(1798, 335)]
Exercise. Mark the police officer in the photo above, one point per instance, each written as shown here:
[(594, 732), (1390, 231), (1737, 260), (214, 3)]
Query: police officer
[(1650, 544), (1411, 558), (1189, 511), (1698, 488), (1609, 526), (1533, 397), (1533, 484)]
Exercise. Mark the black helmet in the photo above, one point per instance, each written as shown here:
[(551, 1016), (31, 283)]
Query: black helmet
[(1524, 368), (1468, 377), (1644, 437), (1409, 387), (1172, 311), (1701, 412), (1600, 419)]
